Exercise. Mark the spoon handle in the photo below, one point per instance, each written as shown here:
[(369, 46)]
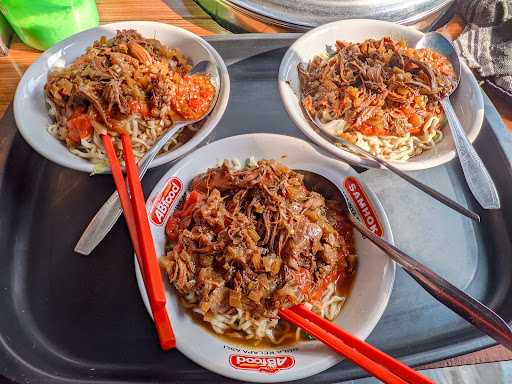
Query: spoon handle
[(111, 210), (418, 184), (479, 181), (150, 155), (466, 306)]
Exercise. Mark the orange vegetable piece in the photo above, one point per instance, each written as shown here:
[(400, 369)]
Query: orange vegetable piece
[(79, 127), (139, 107)]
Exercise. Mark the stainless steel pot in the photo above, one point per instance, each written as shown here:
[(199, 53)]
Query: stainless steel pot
[(302, 15)]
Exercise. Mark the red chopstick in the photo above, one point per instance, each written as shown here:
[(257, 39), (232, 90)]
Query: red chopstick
[(124, 198), (146, 245), (377, 363), (136, 218)]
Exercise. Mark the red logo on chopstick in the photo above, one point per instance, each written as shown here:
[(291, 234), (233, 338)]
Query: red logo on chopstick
[(165, 200), (265, 364), (363, 205)]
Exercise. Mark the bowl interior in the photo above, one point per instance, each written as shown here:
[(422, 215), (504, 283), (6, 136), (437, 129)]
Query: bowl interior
[(466, 100), (31, 112), (371, 288)]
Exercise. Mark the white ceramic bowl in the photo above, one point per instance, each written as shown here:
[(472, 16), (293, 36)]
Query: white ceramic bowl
[(31, 111), (370, 293), (467, 100)]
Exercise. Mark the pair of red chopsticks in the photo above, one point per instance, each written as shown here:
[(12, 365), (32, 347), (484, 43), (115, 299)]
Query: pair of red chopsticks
[(372, 360), (135, 214)]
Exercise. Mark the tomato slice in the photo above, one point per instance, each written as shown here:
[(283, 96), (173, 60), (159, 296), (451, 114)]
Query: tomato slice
[(139, 107), (192, 198), (170, 228), (304, 279), (188, 206), (415, 131), (79, 127), (333, 276)]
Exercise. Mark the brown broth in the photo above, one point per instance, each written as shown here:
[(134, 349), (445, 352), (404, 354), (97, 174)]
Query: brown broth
[(240, 342), (343, 288)]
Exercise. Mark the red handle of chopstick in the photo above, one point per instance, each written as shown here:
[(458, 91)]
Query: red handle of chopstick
[(374, 361), (124, 198), (147, 247), (147, 261), (351, 354), (369, 350)]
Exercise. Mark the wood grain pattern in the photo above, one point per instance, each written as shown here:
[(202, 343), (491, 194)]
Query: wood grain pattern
[(187, 14)]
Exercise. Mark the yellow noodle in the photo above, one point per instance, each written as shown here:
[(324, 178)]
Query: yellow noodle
[(398, 148)]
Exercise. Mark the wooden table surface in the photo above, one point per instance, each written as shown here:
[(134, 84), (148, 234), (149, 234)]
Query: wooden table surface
[(187, 14)]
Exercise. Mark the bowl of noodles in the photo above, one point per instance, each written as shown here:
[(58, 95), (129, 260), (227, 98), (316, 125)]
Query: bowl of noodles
[(240, 233), (128, 77), (364, 81)]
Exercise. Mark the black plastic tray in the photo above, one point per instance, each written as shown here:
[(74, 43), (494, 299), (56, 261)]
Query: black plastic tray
[(65, 318)]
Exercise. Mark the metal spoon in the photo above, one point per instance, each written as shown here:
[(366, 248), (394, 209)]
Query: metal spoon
[(331, 136), (479, 181), (466, 306), (106, 217)]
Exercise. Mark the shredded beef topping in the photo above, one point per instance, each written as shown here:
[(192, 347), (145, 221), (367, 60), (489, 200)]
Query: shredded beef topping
[(121, 77), (378, 87), (254, 239)]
